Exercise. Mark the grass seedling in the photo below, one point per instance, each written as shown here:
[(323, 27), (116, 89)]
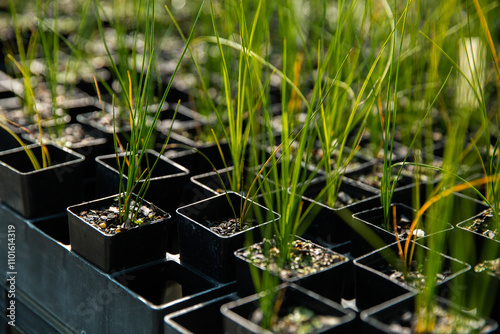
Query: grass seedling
[(138, 179), (29, 95), (4, 124), (389, 124)]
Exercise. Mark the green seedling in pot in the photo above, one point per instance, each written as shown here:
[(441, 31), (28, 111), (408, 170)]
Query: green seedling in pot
[(138, 180)]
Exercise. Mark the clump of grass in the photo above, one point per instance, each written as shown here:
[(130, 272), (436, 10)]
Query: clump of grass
[(138, 180)]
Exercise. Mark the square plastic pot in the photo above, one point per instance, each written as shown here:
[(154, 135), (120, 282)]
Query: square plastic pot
[(237, 314), (353, 196), (214, 182), (373, 284), (471, 246), (199, 317), (165, 185), (164, 287), (37, 193), (395, 316), (115, 252), (331, 283), (369, 232), (208, 251), (475, 248)]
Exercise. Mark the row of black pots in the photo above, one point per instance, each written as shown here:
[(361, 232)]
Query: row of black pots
[(158, 196), (394, 316), (399, 316), (237, 314), (195, 160), (181, 252), (394, 288), (150, 282), (67, 292)]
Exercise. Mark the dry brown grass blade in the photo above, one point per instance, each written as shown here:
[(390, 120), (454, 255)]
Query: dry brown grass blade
[(445, 193), (395, 226)]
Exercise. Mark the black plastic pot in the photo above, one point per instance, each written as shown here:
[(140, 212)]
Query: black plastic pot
[(357, 161), (395, 316), (186, 120), (186, 137), (73, 296), (196, 162), (166, 182), (90, 149), (215, 182), (369, 232), (354, 198), (475, 248), (373, 284), (404, 181), (90, 119), (327, 227), (238, 314), (330, 283), (81, 105), (38, 193), (198, 318), (163, 288), (208, 251), (331, 226), (478, 292), (115, 252), (471, 246), (405, 187)]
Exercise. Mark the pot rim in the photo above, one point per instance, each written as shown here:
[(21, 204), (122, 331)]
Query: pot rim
[(225, 309), (345, 259), (276, 215), (356, 262), (71, 211), (183, 171), (78, 158)]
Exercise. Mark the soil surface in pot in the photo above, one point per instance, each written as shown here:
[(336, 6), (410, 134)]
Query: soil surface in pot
[(403, 224), (447, 321), (415, 277), (373, 177), (484, 224), (305, 258), (298, 319), (228, 226), (490, 267), (343, 199), (107, 122), (107, 219), (70, 136), (19, 117)]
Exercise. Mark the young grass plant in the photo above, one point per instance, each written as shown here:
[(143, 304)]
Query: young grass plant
[(356, 116), (296, 149), (23, 65), (437, 241), (389, 124), (291, 175), (137, 179)]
